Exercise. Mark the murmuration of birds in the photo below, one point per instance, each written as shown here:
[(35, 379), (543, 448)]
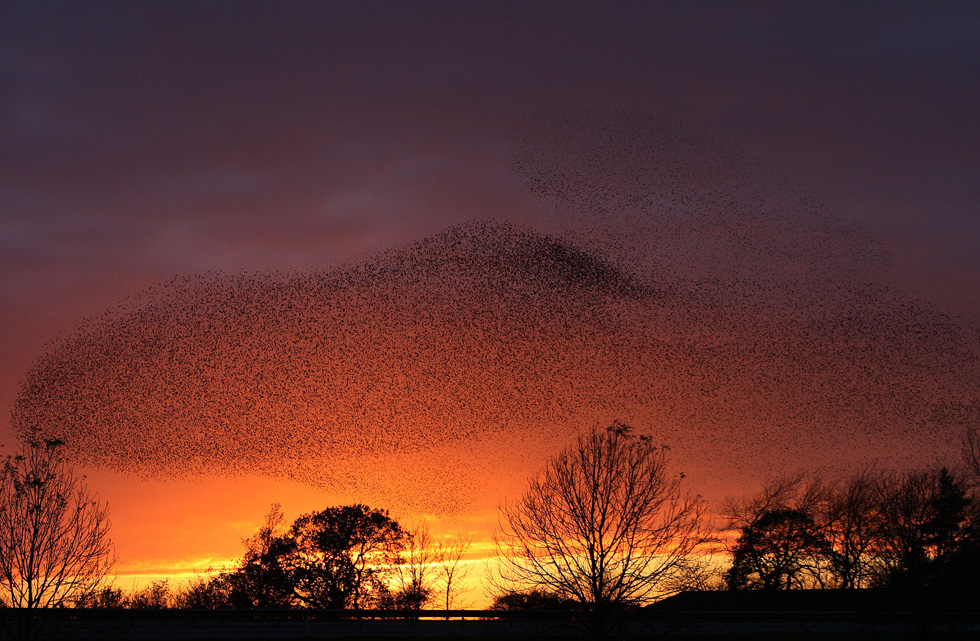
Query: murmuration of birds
[(689, 293)]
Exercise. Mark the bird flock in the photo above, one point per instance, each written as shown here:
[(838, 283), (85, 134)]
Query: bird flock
[(689, 293)]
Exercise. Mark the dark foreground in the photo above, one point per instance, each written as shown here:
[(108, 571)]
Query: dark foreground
[(220, 625)]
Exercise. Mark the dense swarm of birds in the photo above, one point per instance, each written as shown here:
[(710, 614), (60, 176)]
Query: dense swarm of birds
[(691, 295)]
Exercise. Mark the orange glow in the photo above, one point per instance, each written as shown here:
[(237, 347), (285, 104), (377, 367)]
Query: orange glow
[(182, 529)]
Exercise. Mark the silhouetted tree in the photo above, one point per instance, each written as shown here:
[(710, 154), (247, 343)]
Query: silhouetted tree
[(958, 587), (780, 550), (782, 493), (342, 557), (54, 535), (535, 599), (204, 593), (154, 596), (450, 569), (924, 523), (700, 575), (415, 572), (929, 544), (798, 532), (603, 524), (850, 521), (107, 597), (777, 547), (261, 580)]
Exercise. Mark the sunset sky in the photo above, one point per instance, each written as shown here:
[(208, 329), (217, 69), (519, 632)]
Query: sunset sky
[(163, 163)]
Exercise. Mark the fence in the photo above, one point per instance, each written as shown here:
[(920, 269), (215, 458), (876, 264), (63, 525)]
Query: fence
[(470, 624)]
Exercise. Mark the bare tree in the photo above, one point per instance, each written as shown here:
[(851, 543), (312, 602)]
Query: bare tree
[(700, 575), (54, 535), (415, 572), (451, 570), (794, 492), (851, 523), (603, 524)]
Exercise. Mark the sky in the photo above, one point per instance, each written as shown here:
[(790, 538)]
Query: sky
[(146, 145)]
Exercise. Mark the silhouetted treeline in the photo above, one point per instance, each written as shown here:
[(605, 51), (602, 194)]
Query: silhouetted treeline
[(349, 557), (540, 599), (916, 533)]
